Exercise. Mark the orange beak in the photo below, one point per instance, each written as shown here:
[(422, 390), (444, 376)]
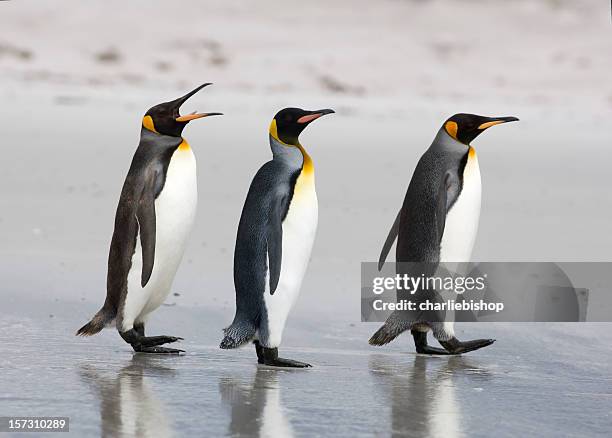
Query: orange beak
[(309, 118), (194, 115), (314, 116)]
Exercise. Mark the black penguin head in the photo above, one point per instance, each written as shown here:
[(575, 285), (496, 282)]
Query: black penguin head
[(289, 123), (165, 118), (466, 127)]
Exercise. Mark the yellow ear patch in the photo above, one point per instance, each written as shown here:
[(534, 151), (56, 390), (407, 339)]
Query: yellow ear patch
[(451, 129), (274, 134), (274, 130), (147, 122), (489, 124)]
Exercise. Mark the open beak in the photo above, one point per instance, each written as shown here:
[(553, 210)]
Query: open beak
[(194, 115), (314, 115), (496, 121)]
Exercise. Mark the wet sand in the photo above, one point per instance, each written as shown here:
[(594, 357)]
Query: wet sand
[(539, 379)]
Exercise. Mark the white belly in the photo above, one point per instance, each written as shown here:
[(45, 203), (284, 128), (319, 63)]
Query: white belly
[(299, 229), (175, 210), (462, 220)]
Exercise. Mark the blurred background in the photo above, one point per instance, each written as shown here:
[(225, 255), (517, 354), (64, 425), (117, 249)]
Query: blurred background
[(76, 78)]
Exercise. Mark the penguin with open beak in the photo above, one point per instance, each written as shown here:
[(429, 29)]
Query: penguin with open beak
[(154, 218), (275, 237), (438, 223)]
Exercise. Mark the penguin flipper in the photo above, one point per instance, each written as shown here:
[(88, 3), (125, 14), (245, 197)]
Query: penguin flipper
[(442, 206), (145, 216), (393, 232), (274, 240)]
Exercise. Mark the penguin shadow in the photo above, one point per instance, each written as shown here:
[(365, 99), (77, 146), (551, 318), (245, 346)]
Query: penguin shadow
[(423, 396), (128, 404), (256, 406)]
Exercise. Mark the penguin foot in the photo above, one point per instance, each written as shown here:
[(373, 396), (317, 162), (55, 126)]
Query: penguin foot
[(288, 363), (432, 350), (420, 342), (158, 350), (455, 346), (153, 341), (269, 356), (147, 344)]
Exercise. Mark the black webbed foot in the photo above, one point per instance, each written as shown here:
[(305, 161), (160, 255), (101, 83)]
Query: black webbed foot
[(153, 341), (269, 356), (158, 350), (288, 363), (149, 344), (455, 346)]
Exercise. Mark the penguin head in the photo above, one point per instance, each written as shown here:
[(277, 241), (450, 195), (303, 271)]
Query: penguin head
[(165, 118), (466, 127), (289, 123)]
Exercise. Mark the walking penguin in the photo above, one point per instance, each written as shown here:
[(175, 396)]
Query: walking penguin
[(154, 218), (438, 223), (275, 236)]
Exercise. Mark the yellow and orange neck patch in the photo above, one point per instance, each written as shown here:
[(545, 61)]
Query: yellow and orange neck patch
[(184, 146), (307, 166)]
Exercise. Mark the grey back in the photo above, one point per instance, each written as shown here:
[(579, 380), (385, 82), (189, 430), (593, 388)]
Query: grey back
[(434, 187), (274, 179)]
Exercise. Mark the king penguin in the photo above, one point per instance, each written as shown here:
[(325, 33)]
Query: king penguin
[(154, 217), (438, 223), (275, 236)]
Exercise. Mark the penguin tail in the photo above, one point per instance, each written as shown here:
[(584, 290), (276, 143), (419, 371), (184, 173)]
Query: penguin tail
[(237, 334), (97, 323), (388, 332)]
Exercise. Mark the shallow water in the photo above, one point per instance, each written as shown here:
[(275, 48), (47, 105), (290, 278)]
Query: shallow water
[(544, 380)]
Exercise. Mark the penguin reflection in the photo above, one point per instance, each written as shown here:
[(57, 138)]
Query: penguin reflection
[(256, 409), (128, 405), (424, 402)]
